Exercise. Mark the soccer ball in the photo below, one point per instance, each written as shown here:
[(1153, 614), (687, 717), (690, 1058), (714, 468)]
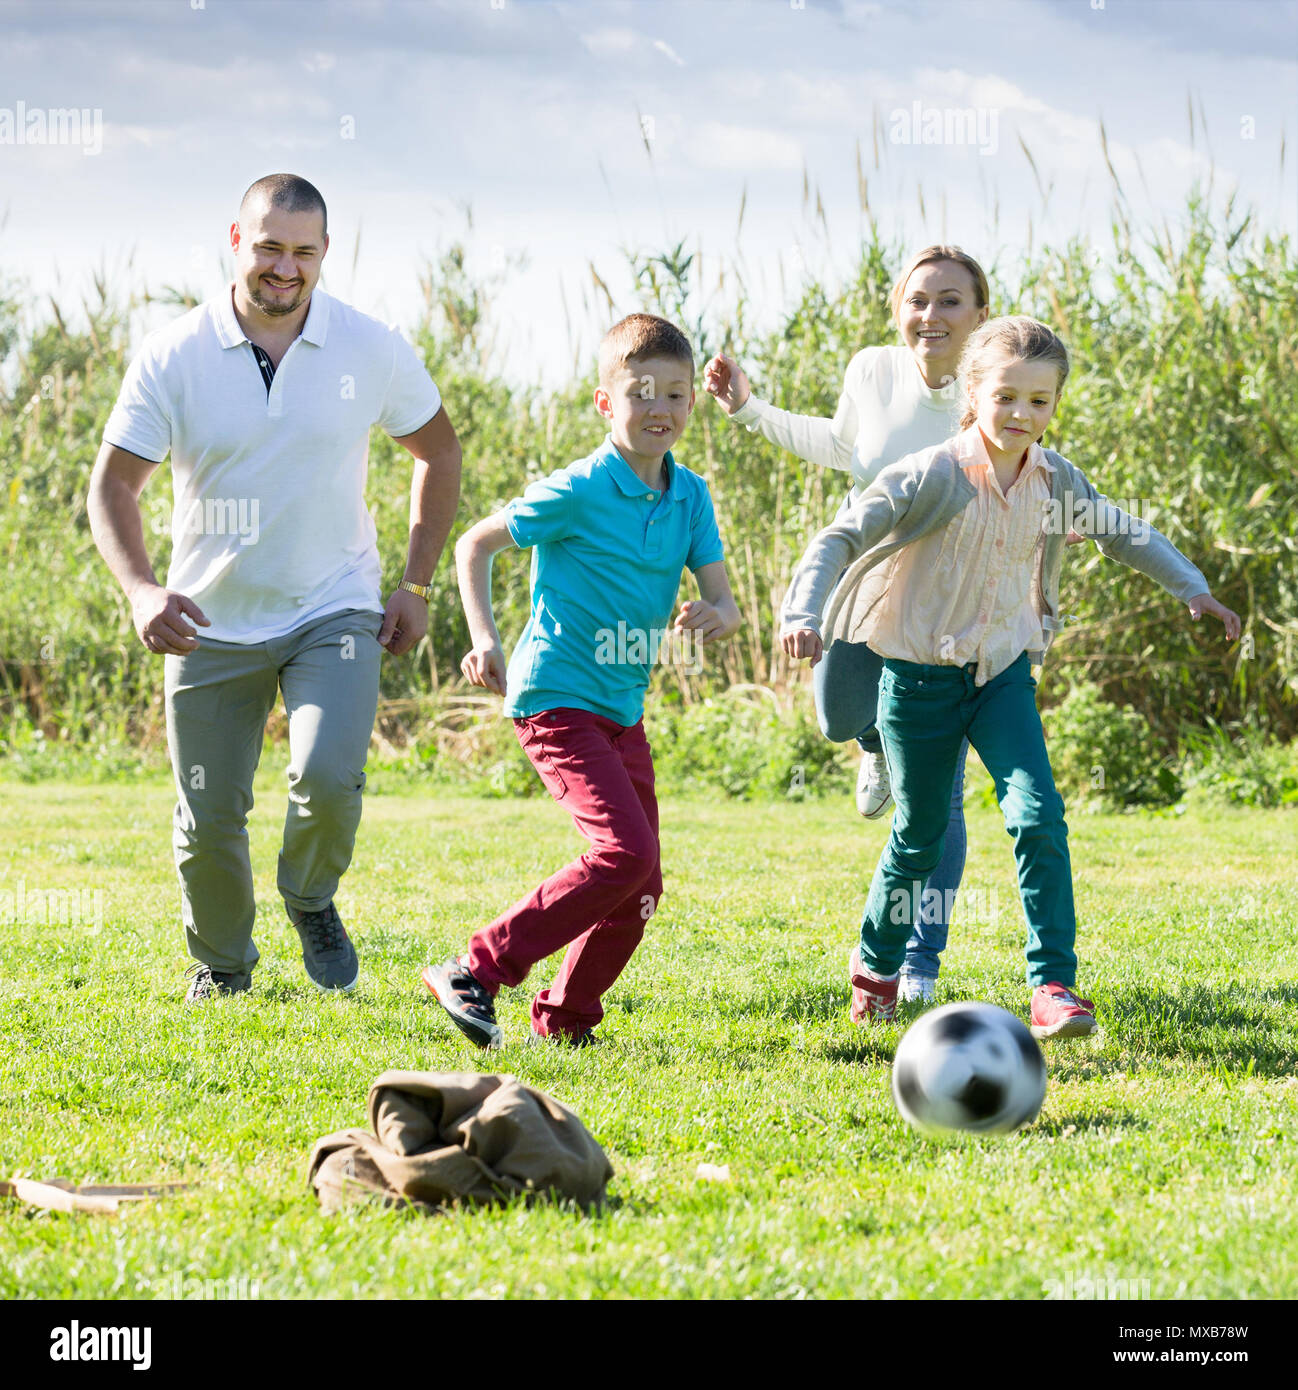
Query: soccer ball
[(968, 1066)]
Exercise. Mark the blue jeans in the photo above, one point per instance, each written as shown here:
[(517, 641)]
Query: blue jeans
[(925, 712), (846, 686), (928, 936)]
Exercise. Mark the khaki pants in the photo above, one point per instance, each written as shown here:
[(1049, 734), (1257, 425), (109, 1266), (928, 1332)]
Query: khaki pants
[(218, 700)]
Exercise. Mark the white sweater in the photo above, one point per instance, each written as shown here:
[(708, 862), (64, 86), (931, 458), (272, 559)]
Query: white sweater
[(886, 412)]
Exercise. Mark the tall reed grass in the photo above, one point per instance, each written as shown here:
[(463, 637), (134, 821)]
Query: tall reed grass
[(1184, 334)]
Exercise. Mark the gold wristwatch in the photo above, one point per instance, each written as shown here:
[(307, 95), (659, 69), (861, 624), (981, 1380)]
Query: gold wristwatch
[(425, 591)]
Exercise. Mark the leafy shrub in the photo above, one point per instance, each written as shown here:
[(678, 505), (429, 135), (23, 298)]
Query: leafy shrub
[(1243, 771), (745, 747), (1105, 755)]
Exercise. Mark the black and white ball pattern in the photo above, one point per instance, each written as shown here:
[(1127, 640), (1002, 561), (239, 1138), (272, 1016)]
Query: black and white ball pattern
[(968, 1066)]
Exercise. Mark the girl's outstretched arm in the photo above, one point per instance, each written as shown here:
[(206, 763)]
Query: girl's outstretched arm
[(1205, 603), (1134, 542)]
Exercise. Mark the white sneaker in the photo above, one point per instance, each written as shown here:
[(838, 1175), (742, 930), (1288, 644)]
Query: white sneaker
[(873, 790), (912, 989)]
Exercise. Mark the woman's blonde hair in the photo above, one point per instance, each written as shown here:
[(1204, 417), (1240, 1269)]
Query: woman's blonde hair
[(1014, 338), (939, 253)]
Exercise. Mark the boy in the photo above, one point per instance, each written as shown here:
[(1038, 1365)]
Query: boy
[(611, 535)]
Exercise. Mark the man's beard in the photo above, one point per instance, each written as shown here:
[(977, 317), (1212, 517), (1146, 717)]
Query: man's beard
[(276, 307)]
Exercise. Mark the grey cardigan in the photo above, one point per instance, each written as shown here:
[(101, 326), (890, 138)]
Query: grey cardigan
[(924, 491)]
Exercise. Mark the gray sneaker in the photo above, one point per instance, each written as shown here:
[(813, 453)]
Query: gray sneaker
[(206, 983), (327, 950)]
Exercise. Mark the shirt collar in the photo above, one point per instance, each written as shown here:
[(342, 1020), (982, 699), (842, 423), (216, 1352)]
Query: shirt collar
[(971, 452), (630, 484), (314, 330)]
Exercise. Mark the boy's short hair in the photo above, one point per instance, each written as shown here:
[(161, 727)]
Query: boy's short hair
[(637, 337)]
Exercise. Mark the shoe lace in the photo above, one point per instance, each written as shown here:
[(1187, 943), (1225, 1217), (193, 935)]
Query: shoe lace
[(324, 927), (1066, 996), (202, 973), (205, 981)]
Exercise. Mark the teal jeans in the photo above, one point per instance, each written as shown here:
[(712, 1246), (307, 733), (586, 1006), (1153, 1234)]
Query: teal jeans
[(924, 713)]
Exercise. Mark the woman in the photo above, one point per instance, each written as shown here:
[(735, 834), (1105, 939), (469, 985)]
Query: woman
[(896, 400)]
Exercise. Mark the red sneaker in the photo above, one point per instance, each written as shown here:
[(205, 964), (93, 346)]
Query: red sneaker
[(873, 1000), (1059, 1013)]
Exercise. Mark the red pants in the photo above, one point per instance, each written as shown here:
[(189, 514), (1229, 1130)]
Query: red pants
[(597, 906)]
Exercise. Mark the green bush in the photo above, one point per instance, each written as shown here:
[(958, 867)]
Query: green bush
[(1104, 755), (1246, 770), (745, 747)]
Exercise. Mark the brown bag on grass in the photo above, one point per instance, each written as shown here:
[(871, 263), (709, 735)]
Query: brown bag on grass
[(443, 1137)]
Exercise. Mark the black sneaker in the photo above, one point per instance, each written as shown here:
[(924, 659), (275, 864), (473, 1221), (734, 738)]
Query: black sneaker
[(327, 950), (206, 983), (586, 1039), (471, 1007)]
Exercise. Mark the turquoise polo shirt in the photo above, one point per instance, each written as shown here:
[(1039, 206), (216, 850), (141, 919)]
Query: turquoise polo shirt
[(607, 557)]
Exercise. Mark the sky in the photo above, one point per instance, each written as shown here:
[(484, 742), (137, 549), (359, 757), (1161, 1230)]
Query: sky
[(550, 137)]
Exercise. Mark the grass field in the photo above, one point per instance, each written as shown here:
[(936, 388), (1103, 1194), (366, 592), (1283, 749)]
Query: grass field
[(1164, 1153)]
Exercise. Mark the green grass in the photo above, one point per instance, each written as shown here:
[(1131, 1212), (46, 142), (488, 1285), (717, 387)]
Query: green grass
[(1164, 1151)]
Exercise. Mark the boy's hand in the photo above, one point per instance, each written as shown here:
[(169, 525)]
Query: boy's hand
[(1205, 603), (700, 617), (485, 666), (724, 379), (804, 642)]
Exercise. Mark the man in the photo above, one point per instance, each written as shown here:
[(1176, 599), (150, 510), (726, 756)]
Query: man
[(264, 397)]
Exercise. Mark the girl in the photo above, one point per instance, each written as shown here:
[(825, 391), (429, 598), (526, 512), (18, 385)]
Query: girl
[(895, 400), (953, 558)]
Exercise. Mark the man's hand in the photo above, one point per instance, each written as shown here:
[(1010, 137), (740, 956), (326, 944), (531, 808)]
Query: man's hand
[(405, 620), (725, 380), (703, 618), (159, 616), (1205, 603), (485, 666), (803, 643)]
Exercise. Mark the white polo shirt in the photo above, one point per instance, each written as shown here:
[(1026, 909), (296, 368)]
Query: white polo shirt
[(270, 529)]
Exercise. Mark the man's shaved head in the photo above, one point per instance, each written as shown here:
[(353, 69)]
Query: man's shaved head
[(288, 192)]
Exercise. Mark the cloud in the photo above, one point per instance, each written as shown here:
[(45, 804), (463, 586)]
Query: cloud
[(720, 146), (619, 43), (611, 43)]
